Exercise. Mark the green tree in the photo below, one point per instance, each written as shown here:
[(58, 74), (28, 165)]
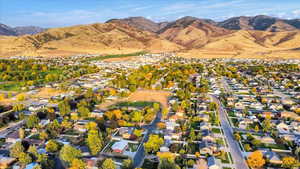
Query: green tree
[(52, 146), (108, 164), (32, 121), (69, 153), (77, 164), (167, 164), (154, 143), (24, 158), (127, 164), (21, 133), (64, 107), (94, 142), (33, 151), (16, 149), (84, 112)]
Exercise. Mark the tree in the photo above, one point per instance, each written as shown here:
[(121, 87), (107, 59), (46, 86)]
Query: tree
[(21, 133), (18, 107), (64, 107), (289, 162), (43, 135), (127, 164), (166, 164), (256, 160), (237, 136), (32, 121), (138, 132), (212, 106), (69, 153), (256, 129), (94, 142), (52, 146), (24, 158), (154, 143), (137, 116), (21, 97), (16, 149), (84, 112), (33, 151), (77, 164), (108, 164)]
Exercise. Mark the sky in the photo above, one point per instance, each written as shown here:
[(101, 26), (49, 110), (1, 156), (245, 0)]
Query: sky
[(58, 13)]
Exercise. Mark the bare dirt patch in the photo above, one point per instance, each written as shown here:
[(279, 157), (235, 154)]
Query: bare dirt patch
[(141, 95), (47, 93)]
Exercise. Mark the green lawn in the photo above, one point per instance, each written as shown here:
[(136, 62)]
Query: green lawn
[(139, 104), (216, 130), (114, 56)]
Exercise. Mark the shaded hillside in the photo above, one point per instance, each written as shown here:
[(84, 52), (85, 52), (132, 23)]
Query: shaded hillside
[(260, 22)]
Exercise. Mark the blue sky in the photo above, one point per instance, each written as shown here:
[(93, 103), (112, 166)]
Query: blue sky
[(56, 13)]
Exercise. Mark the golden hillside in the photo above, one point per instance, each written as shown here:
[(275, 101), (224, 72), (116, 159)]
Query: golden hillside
[(83, 39), (251, 44), (189, 37)]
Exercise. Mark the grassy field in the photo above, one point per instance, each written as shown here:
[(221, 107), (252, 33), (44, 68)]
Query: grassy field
[(139, 104), (114, 56)]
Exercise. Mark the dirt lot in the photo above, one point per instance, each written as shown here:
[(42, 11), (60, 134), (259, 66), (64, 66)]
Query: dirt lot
[(141, 95)]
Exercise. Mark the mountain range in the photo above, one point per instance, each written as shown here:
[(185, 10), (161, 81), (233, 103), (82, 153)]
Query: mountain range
[(259, 36), (21, 30)]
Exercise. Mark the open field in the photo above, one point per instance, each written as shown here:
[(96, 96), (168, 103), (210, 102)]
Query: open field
[(141, 95)]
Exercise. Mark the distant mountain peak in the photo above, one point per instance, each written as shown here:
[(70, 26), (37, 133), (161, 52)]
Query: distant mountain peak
[(21, 30)]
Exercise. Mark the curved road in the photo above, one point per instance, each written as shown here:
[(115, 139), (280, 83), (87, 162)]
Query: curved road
[(234, 148)]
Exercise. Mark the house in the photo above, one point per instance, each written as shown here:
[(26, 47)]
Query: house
[(282, 128), (207, 136), (120, 146), (207, 148), (244, 123), (205, 126), (239, 105), (211, 163), (290, 115), (13, 137), (170, 125), (204, 117), (265, 139), (80, 125), (273, 157), (5, 162), (200, 164)]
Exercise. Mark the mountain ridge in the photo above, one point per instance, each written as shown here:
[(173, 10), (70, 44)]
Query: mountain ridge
[(187, 36)]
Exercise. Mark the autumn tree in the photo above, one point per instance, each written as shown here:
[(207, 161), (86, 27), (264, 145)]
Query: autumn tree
[(24, 158), (289, 162), (16, 149), (94, 141), (108, 164), (69, 153), (52, 146), (256, 159), (77, 164), (64, 107), (21, 133), (166, 164), (127, 164), (154, 143), (32, 121)]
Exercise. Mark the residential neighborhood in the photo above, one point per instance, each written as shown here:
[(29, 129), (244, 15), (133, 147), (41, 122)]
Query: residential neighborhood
[(151, 111)]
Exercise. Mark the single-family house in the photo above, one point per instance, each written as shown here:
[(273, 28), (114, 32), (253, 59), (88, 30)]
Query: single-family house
[(120, 146)]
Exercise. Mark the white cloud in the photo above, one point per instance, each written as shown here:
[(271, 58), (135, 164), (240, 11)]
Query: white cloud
[(296, 13)]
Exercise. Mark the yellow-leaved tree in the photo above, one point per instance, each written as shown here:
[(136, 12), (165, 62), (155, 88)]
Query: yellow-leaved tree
[(256, 159)]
